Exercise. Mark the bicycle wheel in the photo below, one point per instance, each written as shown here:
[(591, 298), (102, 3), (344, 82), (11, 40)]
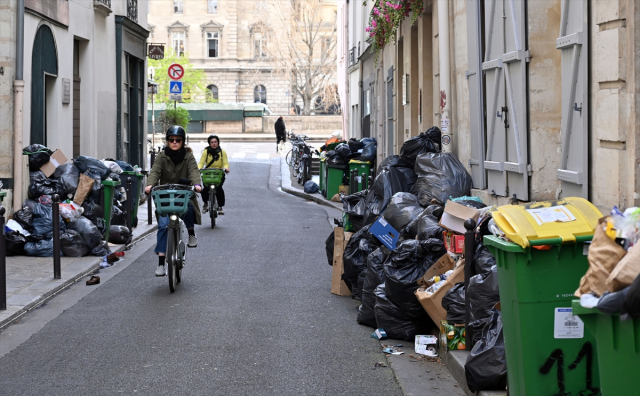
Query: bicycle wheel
[(287, 158), (172, 259), (212, 208)]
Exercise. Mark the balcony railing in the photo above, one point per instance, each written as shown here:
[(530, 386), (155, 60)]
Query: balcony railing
[(352, 56), (104, 2), (132, 10)]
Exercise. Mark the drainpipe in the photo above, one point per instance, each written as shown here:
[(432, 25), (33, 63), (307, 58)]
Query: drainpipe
[(18, 90), (445, 72)]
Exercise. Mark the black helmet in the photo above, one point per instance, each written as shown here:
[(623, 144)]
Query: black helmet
[(213, 137), (176, 130)]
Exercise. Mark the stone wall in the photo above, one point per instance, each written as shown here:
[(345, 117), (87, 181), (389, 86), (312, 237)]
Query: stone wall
[(215, 127), (308, 125)]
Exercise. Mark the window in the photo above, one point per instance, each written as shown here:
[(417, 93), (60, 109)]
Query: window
[(259, 45), (212, 94), (177, 6), (212, 44), (177, 43), (260, 94), (212, 6)]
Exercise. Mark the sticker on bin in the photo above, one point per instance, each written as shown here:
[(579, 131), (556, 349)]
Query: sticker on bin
[(553, 214), (567, 325)]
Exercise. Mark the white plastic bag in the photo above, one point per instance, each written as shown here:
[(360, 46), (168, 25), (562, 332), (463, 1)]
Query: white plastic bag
[(113, 167), (71, 212)]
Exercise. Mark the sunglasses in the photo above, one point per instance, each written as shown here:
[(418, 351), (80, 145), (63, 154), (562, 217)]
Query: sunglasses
[(175, 140)]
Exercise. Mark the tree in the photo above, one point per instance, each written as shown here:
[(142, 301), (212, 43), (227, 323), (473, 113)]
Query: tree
[(193, 83), (301, 41)]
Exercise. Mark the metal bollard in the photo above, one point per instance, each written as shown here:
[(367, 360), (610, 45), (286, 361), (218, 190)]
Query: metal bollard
[(469, 271), (353, 182), (3, 263), (149, 203), (364, 181), (55, 208), (129, 205)]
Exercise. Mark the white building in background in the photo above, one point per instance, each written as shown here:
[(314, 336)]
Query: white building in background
[(84, 75)]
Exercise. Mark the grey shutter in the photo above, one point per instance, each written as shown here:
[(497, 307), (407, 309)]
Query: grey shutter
[(492, 69), (572, 43), (515, 72), (476, 94)]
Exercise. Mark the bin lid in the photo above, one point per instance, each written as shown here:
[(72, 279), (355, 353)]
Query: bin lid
[(353, 161), (546, 223), (110, 183)]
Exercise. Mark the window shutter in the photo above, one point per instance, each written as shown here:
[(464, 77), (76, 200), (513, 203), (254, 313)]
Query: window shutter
[(495, 98), (573, 44), (476, 94)]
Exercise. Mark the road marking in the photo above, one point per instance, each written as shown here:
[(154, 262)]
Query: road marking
[(263, 155), (238, 155)]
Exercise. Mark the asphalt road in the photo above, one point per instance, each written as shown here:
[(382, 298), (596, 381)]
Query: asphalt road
[(253, 316)]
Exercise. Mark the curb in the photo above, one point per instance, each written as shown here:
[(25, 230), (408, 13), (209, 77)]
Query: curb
[(319, 200), (67, 284), (455, 361)]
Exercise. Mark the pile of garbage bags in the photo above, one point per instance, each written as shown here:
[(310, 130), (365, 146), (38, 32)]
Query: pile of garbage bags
[(82, 223), (362, 150)]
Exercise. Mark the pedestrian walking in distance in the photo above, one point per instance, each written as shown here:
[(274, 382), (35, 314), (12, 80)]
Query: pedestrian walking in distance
[(281, 132)]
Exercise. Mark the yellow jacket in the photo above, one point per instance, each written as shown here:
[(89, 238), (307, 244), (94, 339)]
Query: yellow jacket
[(205, 158)]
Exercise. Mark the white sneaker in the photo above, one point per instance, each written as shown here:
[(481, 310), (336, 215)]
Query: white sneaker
[(160, 271), (193, 241), (205, 208)]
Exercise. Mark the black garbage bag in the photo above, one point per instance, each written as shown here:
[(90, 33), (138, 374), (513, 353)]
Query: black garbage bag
[(397, 324), (114, 177), (336, 160), (38, 156), (67, 176), (73, 244), (15, 243), (404, 267), (440, 176), (29, 203), (453, 303), (96, 190), (88, 230), (367, 141), (41, 185), (355, 145), (92, 210), (329, 246), (392, 160), (360, 245), (101, 249), (613, 302), (342, 150), (387, 184), (119, 235), (369, 152), (417, 145), (632, 302), (354, 204), (402, 210), (118, 216), (124, 166), (483, 259), (434, 134), (43, 248), (24, 217), (310, 187), (83, 163), (428, 227), (436, 211), (374, 277), (43, 221), (486, 366), (483, 295)]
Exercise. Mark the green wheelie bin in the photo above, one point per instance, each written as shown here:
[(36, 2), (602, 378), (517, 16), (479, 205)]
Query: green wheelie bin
[(362, 167), (335, 176), (108, 192), (618, 349), (323, 164), (548, 351)]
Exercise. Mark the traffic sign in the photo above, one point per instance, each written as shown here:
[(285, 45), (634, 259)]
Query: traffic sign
[(176, 71), (175, 87)]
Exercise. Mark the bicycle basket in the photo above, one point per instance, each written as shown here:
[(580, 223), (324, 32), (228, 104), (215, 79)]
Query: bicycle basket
[(211, 176), (171, 201)]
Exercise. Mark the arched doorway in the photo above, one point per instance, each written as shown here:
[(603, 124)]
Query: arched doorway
[(44, 71)]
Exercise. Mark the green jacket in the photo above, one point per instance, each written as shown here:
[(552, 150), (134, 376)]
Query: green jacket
[(164, 172)]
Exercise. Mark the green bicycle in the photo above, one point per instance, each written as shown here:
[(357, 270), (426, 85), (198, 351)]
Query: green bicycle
[(212, 177)]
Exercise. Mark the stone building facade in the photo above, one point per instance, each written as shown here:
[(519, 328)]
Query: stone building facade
[(539, 103), (225, 39)]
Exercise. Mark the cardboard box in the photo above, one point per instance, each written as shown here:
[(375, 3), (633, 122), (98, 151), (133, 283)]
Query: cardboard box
[(57, 158), (432, 303), (453, 242), (455, 215), (337, 284), (444, 264), (385, 233)]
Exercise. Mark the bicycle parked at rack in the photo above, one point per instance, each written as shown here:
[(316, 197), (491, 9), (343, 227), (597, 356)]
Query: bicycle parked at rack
[(173, 200), (212, 177)]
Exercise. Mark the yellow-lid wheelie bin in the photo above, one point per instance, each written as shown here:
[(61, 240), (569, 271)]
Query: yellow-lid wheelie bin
[(548, 350)]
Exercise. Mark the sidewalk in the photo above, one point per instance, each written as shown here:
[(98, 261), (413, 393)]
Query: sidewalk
[(30, 279)]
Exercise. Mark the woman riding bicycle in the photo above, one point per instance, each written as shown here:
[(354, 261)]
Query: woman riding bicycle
[(214, 157), (174, 163)]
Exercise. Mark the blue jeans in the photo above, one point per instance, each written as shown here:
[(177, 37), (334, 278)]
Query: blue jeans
[(163, 221)]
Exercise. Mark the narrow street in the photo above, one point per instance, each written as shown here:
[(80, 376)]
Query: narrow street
[(254, 315)]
